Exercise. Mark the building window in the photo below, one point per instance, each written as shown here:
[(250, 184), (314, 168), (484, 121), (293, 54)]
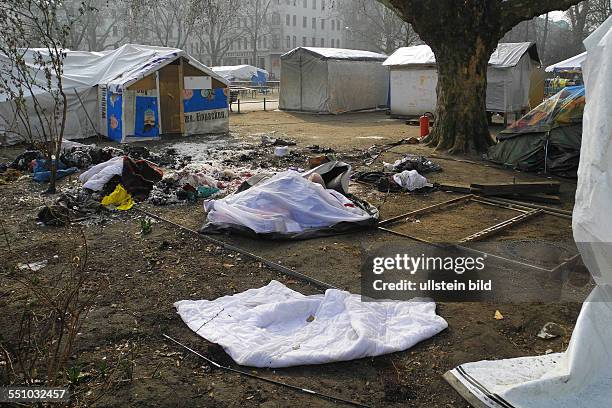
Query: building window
[(265, 42), (314, 4), (246, 44), (333, 25), (305, 3), (314, 23), (294, 20), (276, 18), (288, 42), (313, 42), (304, 42), (338, 25), (294, 41), (322, 42), (322, 24), (288, 19), (304, 22), (332, 43), (275, 41)]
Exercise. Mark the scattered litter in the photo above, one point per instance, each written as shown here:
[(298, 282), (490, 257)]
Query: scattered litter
[(498, 315), (551, 330), (412, 162), (281, 151), (34, 266), (411, 180), (119, 199)]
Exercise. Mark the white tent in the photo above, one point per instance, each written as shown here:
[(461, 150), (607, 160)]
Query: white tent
[(413, 76), (135, 92), (582, 376), (574, 62), (332, 80), (241, 73)]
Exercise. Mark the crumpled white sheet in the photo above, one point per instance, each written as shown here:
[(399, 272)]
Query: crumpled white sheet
[(284, 203), (274, 326), (96, 177), (411, 180)]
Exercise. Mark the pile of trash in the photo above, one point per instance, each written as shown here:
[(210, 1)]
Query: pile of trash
[(405, 174)]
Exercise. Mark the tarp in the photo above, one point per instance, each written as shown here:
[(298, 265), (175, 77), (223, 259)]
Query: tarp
[(290, 206), (242, 73), (274, 326), (332, 80), (83, 73), (582, 376), (570, 64), (562, 109), (547, 138), (511, 79)]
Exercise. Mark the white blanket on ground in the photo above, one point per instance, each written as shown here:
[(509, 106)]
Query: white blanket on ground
[(285, 203), (96, 177), (274, 326)]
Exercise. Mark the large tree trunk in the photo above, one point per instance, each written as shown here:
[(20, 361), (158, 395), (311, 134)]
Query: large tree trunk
[(460, 120)]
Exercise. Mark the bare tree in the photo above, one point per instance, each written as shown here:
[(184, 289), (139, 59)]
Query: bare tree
[(168, 22), (32, 79), (376, 27), (93, 23), (218, 26), (463, 34), (256, 13)]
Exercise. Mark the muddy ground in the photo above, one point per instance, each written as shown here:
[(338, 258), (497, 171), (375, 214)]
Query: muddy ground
[(138, 278)]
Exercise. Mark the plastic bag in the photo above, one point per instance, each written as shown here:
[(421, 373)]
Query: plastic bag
[(119, 199)]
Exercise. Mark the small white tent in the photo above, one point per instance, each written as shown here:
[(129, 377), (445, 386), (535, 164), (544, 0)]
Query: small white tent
[(572, 63), (133, 93), (332, 80), (242, 73), (510, 79)]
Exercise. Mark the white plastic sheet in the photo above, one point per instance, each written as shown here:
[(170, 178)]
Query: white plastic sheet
[(274, 326), (582, 376), (239, 72), (411, 180), (286, 203), (574, 62), (96, 177)]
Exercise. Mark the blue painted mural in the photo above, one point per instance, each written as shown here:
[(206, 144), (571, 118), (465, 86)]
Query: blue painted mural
[(146, 121), (197, 100), (114, 108)]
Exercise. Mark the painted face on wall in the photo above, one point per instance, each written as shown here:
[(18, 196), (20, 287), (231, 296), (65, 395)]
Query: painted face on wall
[(114, 123), (149, 120), (187, 94), (208, 94)]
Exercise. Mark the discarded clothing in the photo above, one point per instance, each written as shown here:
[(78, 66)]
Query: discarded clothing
[(413, 162), (54, 215), (22, 162), (137, 177), (287, 205), (274, 326), (119, 199), (42, 170), (411, 180)]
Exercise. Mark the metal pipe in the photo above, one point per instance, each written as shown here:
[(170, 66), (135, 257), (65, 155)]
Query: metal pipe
[(276, 266), (548, 210), (426, 209), (268, 380)]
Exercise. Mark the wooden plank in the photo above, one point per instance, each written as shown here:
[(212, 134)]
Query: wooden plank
[(545, 187), (456, 188), (463, 391), (500, 227), (181, 85), (536, 198), (426, 209)]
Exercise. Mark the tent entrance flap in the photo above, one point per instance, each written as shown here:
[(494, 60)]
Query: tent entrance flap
[(170, 98)]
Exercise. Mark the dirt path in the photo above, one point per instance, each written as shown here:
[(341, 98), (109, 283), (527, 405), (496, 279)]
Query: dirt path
[(144, 275)]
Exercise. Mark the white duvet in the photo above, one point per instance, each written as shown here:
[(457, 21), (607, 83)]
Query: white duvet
[(274, 326), (285, 203)]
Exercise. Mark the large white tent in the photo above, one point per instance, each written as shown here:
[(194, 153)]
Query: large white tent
[(514, 72), (332, 80), (582, 375), (135, 92), (574, 62)]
